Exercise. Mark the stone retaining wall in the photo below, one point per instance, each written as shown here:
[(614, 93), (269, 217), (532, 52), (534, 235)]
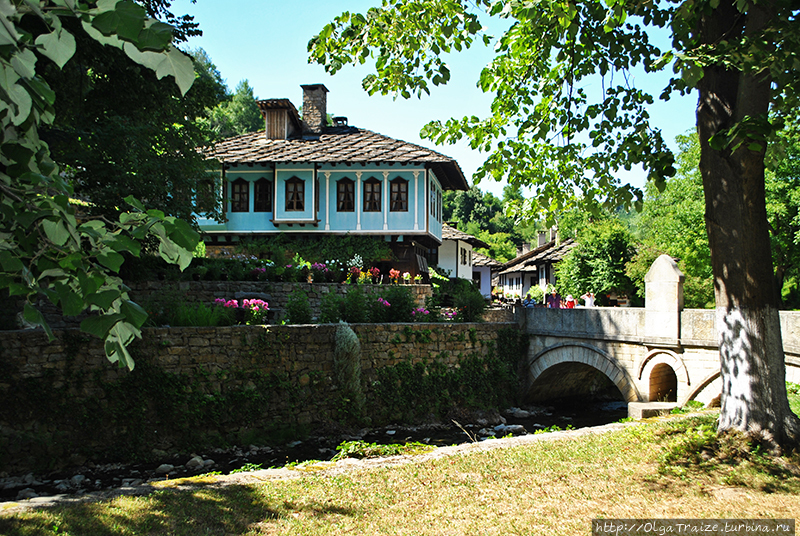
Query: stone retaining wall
[(199, 385)]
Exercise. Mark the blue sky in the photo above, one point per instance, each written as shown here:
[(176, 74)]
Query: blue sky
[(264, 41)]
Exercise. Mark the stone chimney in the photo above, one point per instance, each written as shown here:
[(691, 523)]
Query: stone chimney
[(315, 108), (525, 248), (543, 238)]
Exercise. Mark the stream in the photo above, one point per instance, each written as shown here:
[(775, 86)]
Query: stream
[(475, 426)]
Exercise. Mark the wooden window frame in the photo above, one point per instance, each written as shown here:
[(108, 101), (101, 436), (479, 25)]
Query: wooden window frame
[(262, 195), (240, 195), (372, 195), (295, 195), (345, 186), (398, 195)]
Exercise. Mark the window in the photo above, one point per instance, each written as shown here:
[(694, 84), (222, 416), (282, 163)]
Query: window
[(372, 195), (345, 195), (205, 195), (433, 200), (399, 195), (263, 195), (464, 256), (433, 256), (240, 196), (295, 195)]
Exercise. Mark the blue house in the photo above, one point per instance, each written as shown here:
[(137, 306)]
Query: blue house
[(304, 176)]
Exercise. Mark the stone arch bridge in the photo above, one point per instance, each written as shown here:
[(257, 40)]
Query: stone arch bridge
[(659, 353)]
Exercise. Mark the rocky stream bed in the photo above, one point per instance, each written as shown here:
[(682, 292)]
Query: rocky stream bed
[(467, 427)]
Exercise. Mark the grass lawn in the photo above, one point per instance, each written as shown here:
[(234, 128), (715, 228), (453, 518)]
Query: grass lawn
[(663, 469)]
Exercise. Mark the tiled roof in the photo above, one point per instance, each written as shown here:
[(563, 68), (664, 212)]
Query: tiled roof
[(547, 253), (340, 145), (451, 233), (483, 260)]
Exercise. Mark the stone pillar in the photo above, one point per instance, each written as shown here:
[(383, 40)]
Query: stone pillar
[(663, 299)]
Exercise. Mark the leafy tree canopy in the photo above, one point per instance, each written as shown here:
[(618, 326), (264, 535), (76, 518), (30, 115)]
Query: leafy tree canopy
[(597, 264), (112, 142), (238, 114), (672, 222), (566, 115), (46, 247)]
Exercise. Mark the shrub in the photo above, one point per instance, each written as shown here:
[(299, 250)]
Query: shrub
[(198, 314), (356, 309), (298, 310), (330, 308), (536, 293), (347, 362), (470, 304), (380, 309), (402, 304)]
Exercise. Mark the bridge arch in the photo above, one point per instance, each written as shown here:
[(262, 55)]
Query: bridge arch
[(582, 355), (666, 374)]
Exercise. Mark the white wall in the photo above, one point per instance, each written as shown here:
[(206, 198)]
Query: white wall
[(485, 279), (450, 258)]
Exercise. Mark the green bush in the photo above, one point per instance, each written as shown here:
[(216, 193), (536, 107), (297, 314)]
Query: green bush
[(356, 308), (402, 303), (170, 308), (298, 310), (200, 314), (536, 293), (470, 304), (347, 363), (318, 249), (330, 308)]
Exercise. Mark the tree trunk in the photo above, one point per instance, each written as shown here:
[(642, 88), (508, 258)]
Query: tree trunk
[(753, 369)]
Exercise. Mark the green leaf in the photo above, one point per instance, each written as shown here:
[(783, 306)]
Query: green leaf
[(56, 231), (134, 203), (89, 284), (116, 352), (97, 35), (104, 299), (111, 260), (17, 95), (183, 234), (100, 325), (17, 289), (126, 20), (134, 313), (70, 302), (174, 254), (171, 62), (121, 243), (24, 63), (8, 32), (155, 36), (10, 263), (71, 261), (58, 45), (34, 316), (691, 73)]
